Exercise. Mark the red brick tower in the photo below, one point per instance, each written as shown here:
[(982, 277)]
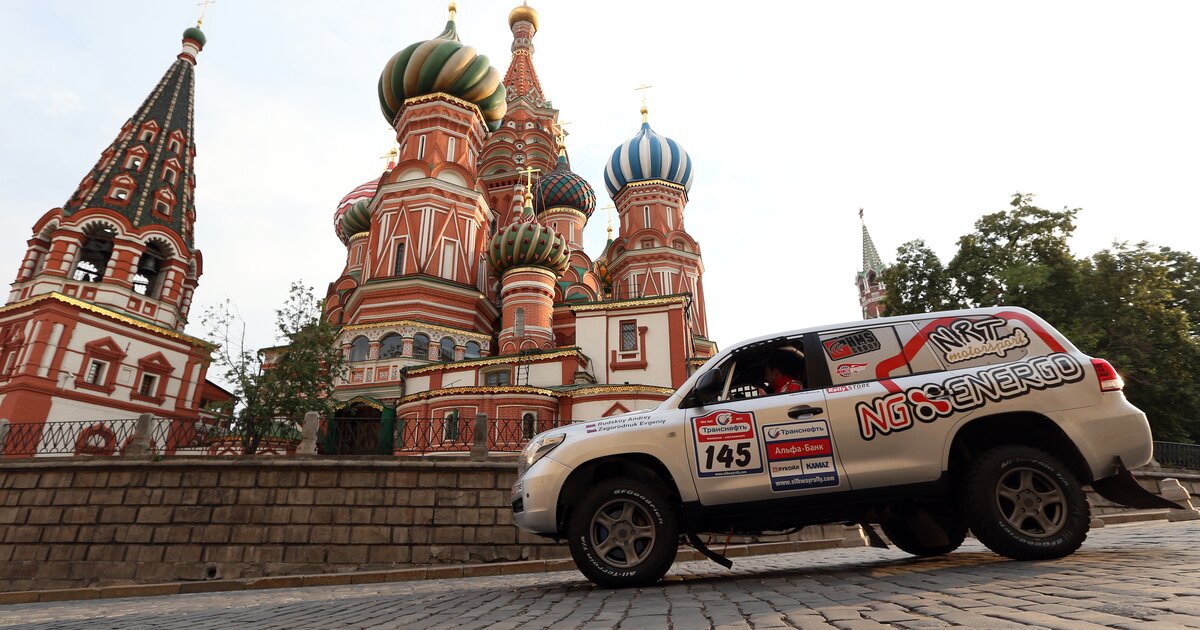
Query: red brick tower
[(871, 292), (94, 321)]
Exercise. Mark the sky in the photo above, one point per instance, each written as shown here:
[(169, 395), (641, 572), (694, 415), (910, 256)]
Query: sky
[(927, 115)]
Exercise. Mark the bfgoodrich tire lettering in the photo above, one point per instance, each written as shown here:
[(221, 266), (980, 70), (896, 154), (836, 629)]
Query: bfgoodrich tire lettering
[(1023, 503), (623, 533)]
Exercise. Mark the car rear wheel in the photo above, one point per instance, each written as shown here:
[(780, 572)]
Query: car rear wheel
[(623, 533), (928, 532), (1023, 503)]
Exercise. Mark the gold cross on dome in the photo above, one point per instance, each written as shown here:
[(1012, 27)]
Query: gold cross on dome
[(560, 134), (642, 88), (529, 171), (203, 10), (392, 154)]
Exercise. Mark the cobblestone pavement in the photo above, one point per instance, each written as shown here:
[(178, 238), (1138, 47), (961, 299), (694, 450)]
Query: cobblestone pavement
[(1143, 576)]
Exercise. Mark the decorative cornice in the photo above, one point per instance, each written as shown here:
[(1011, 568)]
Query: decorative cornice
[(415, 324), (358, 235), (621, 304), (621, 389), (366, 400), (652, 182), (564, 210), (536, 391), (441, 96), (503, 360), (99, 310)]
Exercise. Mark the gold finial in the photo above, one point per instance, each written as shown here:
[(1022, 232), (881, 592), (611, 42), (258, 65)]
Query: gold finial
[(203, 9), (391, 155), (642, 88), (560, 136), (453, 10), (609, 209)]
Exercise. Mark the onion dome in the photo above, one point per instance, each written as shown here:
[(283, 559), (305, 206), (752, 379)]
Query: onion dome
[(357, 219), (523, 13), (648, 155), (364, 192), (525, 242), (194, 33), (442, 64), (563, 187)]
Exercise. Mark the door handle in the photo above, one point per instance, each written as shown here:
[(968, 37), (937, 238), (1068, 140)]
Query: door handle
[(803, 410)]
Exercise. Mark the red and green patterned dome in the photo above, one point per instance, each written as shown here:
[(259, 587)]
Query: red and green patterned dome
[(442, 64), (527, 243), (356, 219), (564, 188)]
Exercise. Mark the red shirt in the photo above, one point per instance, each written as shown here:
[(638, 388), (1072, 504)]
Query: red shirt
[(784, 385)]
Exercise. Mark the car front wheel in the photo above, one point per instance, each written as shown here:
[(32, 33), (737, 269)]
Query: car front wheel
[(623, 533), (1023, 503)]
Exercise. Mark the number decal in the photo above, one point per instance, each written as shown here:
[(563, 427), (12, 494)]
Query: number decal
[(726, 443)]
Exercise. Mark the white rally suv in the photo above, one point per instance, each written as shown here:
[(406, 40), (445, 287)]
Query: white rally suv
[(926, 425)]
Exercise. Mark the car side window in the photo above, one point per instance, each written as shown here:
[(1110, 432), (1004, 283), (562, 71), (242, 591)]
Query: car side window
[(858, 354), (761, 369)]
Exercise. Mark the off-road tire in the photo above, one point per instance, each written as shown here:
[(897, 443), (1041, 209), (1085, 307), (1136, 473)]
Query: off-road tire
[(901, 531), (624, 532), (1023, 503)]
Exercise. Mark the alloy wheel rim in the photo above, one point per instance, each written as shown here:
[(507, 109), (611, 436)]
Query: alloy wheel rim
[(1031, 502), (622, 533)]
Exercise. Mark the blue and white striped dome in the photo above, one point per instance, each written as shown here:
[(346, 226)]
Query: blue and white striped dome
[(648, 156)]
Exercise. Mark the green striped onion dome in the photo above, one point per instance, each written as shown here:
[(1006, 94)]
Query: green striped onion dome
[(442, 64), (356, 219), (526, 242), (561, 187), (194, 33)]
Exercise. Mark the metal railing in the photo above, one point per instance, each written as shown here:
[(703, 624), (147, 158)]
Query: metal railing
[(1177, 455)]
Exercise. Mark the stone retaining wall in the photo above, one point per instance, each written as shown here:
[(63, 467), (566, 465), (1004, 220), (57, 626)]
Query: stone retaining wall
[(75, 523)]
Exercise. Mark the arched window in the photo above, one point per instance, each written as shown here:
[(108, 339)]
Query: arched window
[(471, 350), (446, 349), (359, 348), (421, 346), (391, 346), (93, 258), (528, 425), (519, 323), (146, 278)]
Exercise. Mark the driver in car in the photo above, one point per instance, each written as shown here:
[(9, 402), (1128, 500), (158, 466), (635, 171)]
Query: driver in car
[(780, 372)]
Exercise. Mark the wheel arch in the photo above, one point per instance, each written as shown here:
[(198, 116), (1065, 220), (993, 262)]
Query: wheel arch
[(1023, 427), (638, 465)]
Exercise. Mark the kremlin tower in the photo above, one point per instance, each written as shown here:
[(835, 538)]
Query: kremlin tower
[(871, 291), (93, 328)]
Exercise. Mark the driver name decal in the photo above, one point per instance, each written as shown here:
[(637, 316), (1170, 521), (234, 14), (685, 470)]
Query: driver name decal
[(966, 339), (899, 411), (726, 444), (800, 456)]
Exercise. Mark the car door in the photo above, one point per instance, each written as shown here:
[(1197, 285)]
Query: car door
[(747, 446)]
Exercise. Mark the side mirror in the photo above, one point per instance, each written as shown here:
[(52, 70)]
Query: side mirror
[(708, 387)]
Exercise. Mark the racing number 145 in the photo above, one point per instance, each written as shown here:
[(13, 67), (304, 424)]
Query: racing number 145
[(725, 455)]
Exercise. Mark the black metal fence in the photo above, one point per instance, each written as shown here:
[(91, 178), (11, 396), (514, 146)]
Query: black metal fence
[(82, 437), (1176, 455)]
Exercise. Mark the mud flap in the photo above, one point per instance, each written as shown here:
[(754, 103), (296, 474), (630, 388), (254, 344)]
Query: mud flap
[(708, 553), (873, 536), (1123, 489)]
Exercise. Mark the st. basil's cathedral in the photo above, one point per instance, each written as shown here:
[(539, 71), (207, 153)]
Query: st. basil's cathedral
[(466, 288)]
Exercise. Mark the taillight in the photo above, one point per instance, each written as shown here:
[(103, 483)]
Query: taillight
[(1110, 381)]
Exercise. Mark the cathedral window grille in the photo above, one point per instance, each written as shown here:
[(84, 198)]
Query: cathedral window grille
[(149, 269), (169, 175), (147, 387), (95, 372), (133, 163), (391, 347), (359, 348), (161, 207), (446, 349), (450, 426), (421, 148), (449, 254), (528, 425), (471, 350), (147, 136), (646, 215), (398, 266), (421, 346), (497, 379), (519, 322), (173, 146), (628, 336), (450, 149), (120, 194), (93, 259)]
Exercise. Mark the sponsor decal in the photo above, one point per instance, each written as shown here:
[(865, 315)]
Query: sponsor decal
[(845, 388), (845, 370), (966, 339), (616, 424), (726, 444), (850, 345), (800, 455), (900, 410)]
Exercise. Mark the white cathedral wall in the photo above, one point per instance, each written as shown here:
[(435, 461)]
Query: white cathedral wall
[(416, 384), (545, 374), (590, 336), (135, 349)]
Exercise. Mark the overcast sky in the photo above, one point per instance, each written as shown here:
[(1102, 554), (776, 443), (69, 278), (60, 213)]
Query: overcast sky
[(926, 114)]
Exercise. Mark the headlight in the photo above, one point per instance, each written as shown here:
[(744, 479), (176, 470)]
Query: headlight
[(536, 449)]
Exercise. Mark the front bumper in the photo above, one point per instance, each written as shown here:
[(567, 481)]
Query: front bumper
[(535, 497)]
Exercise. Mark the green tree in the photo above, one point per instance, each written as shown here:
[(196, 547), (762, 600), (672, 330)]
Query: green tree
[(1019, 257), (918, 282), (276, 386)]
